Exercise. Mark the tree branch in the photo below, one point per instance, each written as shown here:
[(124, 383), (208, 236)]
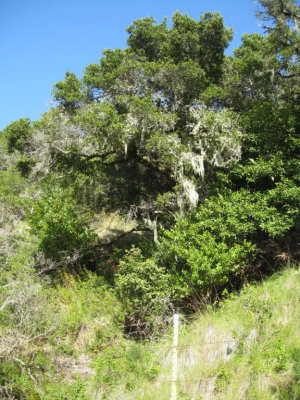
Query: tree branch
[(121, 236), (86, 156), (154, 166), (134, 155)]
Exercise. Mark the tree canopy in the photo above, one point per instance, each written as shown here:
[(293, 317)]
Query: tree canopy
[(176, 136)]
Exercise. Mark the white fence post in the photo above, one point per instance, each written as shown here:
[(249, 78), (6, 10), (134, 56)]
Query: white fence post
[(174, 358)]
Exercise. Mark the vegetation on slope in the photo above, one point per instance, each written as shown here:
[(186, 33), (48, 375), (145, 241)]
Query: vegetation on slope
[(246, 348), (198, 155)]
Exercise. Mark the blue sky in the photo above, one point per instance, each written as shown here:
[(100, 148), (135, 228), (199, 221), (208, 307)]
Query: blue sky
[(41, 39)]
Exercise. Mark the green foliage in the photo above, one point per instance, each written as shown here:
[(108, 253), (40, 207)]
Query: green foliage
[(212, 247), (271, 129), (68, 92), (246, 346), (284, 17), (57, 225), (140, 281), (159, 127), (118, 365), (17, 382), (24, 165), (205, 250), (202, 42), (11, 186), (88, 300), (76, 389), (99, 78), (147, 39), (133, 112), (144, 290), (17, 134)]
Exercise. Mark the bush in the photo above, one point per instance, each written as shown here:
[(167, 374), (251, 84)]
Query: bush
[(144, 290), (210, 248), (57, 225), (15, 383)]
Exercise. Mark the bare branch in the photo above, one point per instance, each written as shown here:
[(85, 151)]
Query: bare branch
[(121, 236), (7, 301), (86, 156)]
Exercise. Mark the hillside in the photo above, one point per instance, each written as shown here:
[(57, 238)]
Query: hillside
[(165, 178), (247, 348)]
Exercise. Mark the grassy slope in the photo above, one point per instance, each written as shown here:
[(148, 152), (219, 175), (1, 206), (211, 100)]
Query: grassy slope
[(247, 349)]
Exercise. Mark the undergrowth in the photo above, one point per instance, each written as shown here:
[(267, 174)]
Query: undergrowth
[(246, 348)]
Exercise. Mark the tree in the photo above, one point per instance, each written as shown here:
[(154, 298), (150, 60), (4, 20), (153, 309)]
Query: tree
[(139, 110), (284, 16), (168, 124), (17, 134), (68, 92), (211, 247)]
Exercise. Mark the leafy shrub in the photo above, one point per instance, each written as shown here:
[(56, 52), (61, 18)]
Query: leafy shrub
[(15, 383), (209, 248), (144, 289), (57, 225)]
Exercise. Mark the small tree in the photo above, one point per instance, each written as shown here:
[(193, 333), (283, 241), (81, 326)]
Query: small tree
[(144, 290)]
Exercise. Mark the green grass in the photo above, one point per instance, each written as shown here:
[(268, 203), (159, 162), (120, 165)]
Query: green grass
[(248, 348)]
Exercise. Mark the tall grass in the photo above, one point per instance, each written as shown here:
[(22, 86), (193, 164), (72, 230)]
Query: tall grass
[(248, 348)]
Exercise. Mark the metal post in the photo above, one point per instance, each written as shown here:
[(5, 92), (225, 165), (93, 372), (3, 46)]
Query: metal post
[(174, 358)]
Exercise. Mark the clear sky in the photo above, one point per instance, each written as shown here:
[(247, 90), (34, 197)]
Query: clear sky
[(41, 39)]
